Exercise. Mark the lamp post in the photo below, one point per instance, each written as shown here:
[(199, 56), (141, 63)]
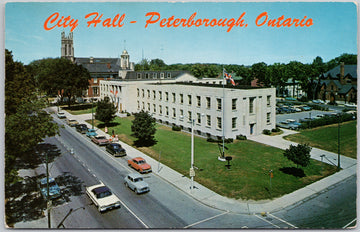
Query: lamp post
[(68, 214), (92, 113), (339, 142), (48, 201)]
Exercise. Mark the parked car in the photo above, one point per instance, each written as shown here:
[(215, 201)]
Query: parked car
[(139, 164), (91, 132), (82, 128), (54, 190), (115, 149), (136, 182), (102, 197), (61, 115), (100, 140), (306, 108), (72, 122)]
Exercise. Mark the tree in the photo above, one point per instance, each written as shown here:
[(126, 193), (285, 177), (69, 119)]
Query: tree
[(259, 72), (105, 111), (296, 71), (299, 154), (143, 128), (60, 76), (26, 123)]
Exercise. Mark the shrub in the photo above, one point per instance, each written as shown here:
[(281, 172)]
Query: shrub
[(277, 129), (176, 128), (266, 132), (241, 137)]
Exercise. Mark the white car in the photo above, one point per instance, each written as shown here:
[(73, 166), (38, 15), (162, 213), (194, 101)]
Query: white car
[(61, 115), (102, 197), (136, 182)]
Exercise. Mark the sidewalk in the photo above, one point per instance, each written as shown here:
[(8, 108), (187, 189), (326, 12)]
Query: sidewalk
[(210, 198)]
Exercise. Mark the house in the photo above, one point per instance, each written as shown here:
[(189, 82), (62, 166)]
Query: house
[(339, 84)]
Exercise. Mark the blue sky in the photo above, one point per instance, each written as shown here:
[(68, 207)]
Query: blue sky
[(334, 32)]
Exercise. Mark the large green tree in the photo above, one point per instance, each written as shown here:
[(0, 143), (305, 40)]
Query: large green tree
[(60, 76), (143, 128), (259, 72), (105, 111), (299, 154), (26, 122)]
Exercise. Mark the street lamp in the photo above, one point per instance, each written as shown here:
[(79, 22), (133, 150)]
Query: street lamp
[(192, 170), (92, 113), (68, 214), (339, 115)]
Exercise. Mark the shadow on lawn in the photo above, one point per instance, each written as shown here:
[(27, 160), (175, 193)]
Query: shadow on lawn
[(297, 172)]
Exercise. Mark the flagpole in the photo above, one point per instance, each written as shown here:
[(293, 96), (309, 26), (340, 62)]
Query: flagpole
[(222, 121)]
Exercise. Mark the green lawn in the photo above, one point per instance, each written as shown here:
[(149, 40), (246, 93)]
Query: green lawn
[(86, 111), (248, 177), (326, 138)]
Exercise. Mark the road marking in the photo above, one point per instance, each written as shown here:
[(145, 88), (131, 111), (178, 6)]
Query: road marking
[(266, 221), (349, 223), (208, 219), (281, 220)]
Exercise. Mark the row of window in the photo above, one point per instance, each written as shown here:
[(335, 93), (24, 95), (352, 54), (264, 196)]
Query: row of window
[(152, 94), (152, 75), (190, 116)]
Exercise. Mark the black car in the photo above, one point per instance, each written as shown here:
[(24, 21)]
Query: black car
[(115, 149), (82, 128)]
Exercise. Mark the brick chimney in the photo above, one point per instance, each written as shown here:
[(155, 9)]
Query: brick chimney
[(342, 73)]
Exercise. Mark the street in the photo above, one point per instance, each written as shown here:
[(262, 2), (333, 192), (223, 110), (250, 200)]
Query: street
[(165, 206)]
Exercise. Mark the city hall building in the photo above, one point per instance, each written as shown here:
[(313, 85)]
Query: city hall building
[(176, 98)]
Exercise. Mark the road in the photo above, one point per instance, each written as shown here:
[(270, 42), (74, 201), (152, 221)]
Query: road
[(165, 206)]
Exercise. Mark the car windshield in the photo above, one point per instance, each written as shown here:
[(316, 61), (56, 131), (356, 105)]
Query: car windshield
[(51, 184), (101, 137), (116, 147), (138, 179), (141, 161)]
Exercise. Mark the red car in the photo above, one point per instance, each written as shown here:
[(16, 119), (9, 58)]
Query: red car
[(140, 165), (100, 140)]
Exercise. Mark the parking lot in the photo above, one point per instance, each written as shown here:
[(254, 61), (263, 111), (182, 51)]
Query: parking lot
[(301, 115)]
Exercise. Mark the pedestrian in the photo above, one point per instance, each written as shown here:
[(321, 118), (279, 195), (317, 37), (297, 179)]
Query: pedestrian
[(113, 133), (106, 130)]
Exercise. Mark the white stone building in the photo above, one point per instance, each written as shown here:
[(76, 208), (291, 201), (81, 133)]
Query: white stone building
[(177, 99)]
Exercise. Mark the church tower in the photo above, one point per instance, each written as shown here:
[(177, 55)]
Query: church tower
[(67, 46), (125, 60)]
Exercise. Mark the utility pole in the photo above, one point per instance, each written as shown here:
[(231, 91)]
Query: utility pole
[(48, 201), (339, 142)]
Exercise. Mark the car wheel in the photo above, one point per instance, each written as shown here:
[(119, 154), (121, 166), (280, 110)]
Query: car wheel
[(135, 190)]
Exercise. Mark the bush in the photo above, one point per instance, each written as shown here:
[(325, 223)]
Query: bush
[(211, 140), (176, 128), (241, 137), (303, 99), (266, 132), (277, 129)]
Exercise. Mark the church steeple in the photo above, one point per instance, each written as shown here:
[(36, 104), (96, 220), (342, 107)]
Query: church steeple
[(67, 46)]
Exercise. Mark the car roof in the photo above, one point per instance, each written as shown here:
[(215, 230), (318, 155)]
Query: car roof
[(100, 189), (138, 158), (43, 180), (134, 175)]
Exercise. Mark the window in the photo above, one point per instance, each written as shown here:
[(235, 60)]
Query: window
[(96, 92), (251, 105), (189, 97), (143, 93), (160, 109), (268, 115), (181, 98), (174, 112), (268, 100), (198, 98), (143, 106), (174, 97), (208, 102), (138, 92), (218, 103), (148, 107), (168, 75), (181, 113), (234, 103), (160, 95), (208, 120), (154, 95), (189, 115), (148, 93), (161, 75), (154, 75), (219, 123), (154, 108), (167, 111), (139, 76), (138, 104), (147, 75), (199, 118), (166, 96), (95, 80), (233, 123)]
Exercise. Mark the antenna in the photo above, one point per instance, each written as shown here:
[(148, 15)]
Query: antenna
[(124, 44)]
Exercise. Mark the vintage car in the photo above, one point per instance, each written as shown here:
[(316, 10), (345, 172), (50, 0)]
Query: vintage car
[(102, 197), (136, 182), (72, 122), (54, 190), (61, 115), (100, 140), (115, 149), (139, 164), (91, 132), (81, 128)]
